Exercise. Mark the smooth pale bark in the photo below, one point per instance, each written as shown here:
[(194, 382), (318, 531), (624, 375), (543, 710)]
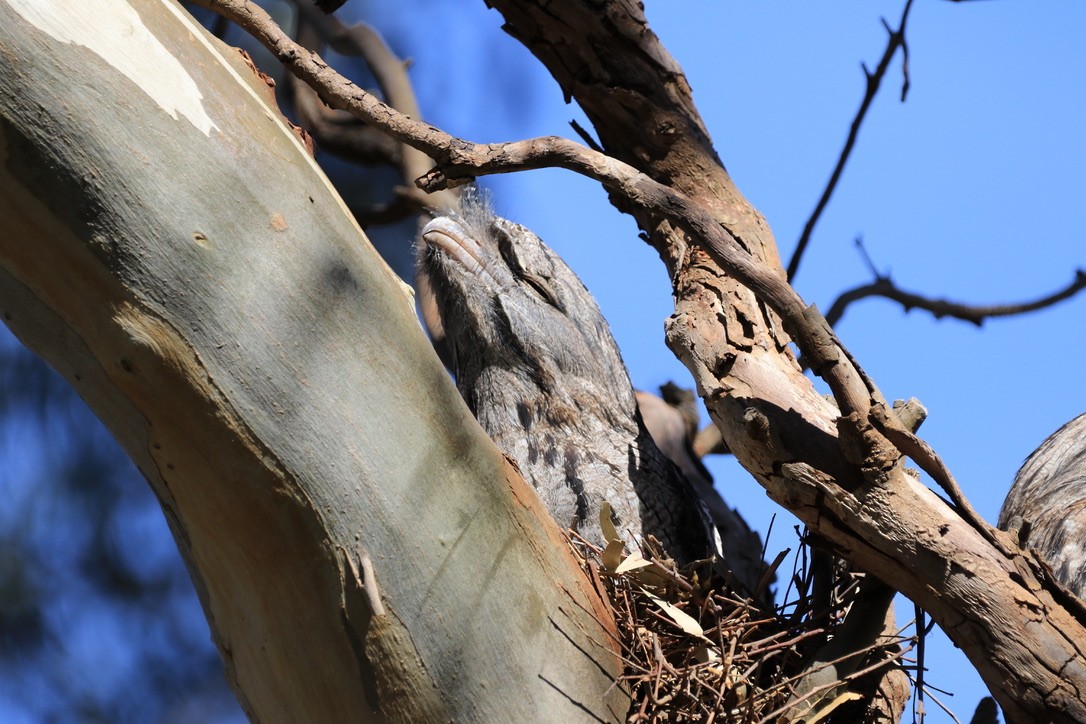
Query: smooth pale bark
[(1026, 638), (170, 247)]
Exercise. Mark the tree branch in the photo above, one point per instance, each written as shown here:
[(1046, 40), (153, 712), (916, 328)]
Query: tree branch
[(362, 40), (873, 82), (341, 133), (861, 405), (975, 314), (829, 464), (459, 161)]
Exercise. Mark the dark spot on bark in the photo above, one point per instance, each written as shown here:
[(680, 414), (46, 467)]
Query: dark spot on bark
[(581, 514), (746, 324), (573, 456), (341, 279)]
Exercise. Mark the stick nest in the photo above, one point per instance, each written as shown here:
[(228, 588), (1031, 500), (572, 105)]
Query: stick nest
[(694, 651)]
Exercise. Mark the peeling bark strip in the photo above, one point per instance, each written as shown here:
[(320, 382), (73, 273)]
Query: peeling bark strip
[(196, 279)]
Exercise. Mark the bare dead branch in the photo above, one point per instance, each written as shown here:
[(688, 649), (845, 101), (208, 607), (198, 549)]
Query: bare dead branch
[(888, 423), (975, 314), (873, 82), (341, 133), (458, 161), (390, 72)]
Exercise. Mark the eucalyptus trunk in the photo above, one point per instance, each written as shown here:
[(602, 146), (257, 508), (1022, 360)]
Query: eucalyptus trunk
[(360, 547)]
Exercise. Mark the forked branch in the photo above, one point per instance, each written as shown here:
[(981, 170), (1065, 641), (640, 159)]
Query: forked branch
[(975, 314)]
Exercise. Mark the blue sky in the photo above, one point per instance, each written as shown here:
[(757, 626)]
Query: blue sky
[(970, 190)]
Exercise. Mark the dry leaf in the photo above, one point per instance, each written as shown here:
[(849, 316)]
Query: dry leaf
[(683, 620), (610, 534), (633, 561), (612, 555), (828, 709)]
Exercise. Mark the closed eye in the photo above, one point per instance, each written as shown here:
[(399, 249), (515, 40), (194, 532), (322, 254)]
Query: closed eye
[(541, 288), (536, 282)]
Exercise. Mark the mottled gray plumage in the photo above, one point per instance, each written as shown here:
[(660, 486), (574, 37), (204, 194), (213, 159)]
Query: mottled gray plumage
[(536, 363), (1047, 504)]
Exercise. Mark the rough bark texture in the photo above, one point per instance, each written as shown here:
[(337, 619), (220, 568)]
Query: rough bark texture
[(987, 596), (361, 549)]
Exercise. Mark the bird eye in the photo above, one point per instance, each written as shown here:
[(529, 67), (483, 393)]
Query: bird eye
[(541, 288), (507, 247)]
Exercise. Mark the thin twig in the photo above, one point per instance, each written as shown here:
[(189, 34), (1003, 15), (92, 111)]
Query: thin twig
[(921, 645), (585, 135), (873, 81), (975, 314), (848, 678), (335, 131), (934, 698), (867, 260)]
